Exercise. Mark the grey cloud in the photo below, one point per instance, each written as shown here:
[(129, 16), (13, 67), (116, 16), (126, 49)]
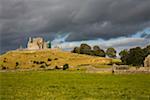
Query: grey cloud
[(85, 19), (148, 37), (118, 43)]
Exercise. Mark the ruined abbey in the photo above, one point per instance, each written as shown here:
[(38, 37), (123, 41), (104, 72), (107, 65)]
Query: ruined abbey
[(37, 44)]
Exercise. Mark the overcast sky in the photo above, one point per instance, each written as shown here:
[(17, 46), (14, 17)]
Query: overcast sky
[(68, 23)]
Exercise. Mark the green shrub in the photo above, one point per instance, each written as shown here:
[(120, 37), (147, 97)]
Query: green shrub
[(56, 67), (56, 59), (36, 62), (42, 66), (41, 62), (65, 66), (4, 68), (49, 59), (5, 60), (47, 64), (17, 63)]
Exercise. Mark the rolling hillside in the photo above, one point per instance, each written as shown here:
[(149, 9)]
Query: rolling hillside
[(49, 58)]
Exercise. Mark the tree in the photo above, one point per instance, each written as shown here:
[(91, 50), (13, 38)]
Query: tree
[(95, 48), (98, 52), (49, 44), (146, 51), (111, 52), (85, 49), (76, 50), (135, 57), (124, 54)]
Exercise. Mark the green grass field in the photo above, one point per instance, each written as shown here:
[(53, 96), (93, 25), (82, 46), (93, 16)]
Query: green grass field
[(67, 85)]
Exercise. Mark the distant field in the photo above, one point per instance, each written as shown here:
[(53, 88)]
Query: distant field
[(47, 58), (67, 85)]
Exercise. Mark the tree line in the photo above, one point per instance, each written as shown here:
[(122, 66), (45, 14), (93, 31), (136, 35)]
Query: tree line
[(134, 56), (95, 51)]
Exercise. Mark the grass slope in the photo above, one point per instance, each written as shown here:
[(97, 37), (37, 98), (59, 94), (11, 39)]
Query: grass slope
[(26, 59), (65, 85)]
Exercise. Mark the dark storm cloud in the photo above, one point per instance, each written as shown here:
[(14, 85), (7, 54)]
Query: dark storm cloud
[(84, 19)]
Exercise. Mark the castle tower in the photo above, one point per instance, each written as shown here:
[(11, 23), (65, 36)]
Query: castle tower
[(36, 44)]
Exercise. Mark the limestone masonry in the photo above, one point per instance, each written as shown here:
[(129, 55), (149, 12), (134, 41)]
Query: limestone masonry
[(37, 44), (147, 61)]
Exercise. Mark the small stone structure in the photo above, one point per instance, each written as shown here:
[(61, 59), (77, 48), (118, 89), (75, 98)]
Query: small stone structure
[(37, 44), (123, 69), (147, 61), (120, 67)]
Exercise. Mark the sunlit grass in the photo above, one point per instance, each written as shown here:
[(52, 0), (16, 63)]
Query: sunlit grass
[(101, 66), (66, 85), (26, 59)]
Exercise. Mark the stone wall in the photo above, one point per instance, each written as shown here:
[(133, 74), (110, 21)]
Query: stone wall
[(125, 69), (147, 61)]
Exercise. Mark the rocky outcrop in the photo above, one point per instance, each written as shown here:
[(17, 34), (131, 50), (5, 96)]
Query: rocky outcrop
[(147, 61)]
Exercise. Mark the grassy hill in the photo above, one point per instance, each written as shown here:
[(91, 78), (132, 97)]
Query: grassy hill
[(48, 58)]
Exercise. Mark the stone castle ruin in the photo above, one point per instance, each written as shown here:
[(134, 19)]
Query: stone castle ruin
[(38, 44)]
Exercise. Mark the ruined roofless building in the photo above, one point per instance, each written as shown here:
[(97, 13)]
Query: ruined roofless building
[(37, 44), (147, 61)]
